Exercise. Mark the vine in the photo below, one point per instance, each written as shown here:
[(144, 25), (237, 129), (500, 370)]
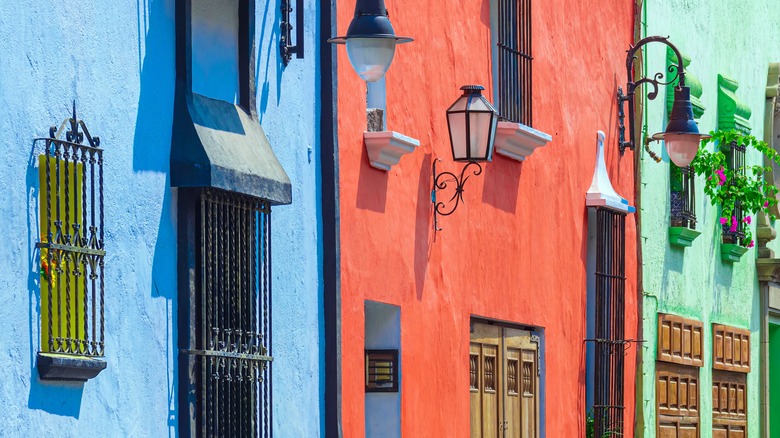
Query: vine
[(746, 185)]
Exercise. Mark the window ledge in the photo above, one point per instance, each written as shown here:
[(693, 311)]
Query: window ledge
[(385, 148), (731, 252), (517, 141), (66, 367), (682, 236)]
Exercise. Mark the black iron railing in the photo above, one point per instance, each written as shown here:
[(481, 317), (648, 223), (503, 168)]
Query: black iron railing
[(234, 320), (514, 61), (736, 160), (683, 197), (610, 343), (71, 245)]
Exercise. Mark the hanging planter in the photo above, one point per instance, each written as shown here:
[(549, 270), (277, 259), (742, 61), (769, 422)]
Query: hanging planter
[(739, 189)]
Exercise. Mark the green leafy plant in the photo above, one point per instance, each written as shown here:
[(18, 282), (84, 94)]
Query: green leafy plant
[(727, 187), (590, 428)]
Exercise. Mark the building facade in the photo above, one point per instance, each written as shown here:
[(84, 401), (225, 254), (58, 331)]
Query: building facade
[(486, 307), (95, 327), (704, 360)]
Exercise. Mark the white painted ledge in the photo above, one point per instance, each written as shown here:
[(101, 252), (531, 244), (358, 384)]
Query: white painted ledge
[(517, 141), (601, 193), (385, 148)]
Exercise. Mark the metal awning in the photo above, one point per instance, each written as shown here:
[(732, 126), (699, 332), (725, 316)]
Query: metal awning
[(218, 144)]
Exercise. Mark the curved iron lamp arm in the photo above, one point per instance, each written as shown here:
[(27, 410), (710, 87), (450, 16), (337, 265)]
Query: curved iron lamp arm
[(655, 81), (440, 182)]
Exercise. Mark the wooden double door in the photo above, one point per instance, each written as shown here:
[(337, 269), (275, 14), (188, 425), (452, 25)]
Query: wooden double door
[(504, 382)]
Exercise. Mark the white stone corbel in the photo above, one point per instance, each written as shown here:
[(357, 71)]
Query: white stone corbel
[(517, 141), (385, 148), (601, 193)]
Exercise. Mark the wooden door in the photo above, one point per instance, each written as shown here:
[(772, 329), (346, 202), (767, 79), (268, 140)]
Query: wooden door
[(677, 398), (485, 375), (521, 406), (503, 382)]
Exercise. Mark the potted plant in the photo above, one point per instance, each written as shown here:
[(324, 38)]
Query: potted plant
[(740, 191)]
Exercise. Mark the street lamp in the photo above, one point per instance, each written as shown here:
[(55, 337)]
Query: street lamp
[(471, 121), (681, 136), (370, 40)]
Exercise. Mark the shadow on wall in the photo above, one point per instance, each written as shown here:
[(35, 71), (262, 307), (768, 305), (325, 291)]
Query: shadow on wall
[(372, 186), (502, 182), (156, 60), (151, 152), (269, 37), (423, 225), (62, 399)]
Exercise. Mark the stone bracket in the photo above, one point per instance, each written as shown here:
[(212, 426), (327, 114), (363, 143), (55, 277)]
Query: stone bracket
[(517, 141), (385, 148), (682, 236), (731, 252), (66, 367)]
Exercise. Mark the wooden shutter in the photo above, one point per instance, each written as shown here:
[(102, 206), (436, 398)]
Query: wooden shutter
[(730, 363), (730, 348), (680, 340), (677, 400)]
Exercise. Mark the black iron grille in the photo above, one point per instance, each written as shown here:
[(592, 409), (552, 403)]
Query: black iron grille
[(71, 245), (683, 197), (514, 61), (234, 318), (736, 159), (610, 344)]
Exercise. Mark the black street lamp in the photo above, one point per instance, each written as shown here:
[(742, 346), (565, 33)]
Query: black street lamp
[(370, 40), (471, 121), (681, 136)]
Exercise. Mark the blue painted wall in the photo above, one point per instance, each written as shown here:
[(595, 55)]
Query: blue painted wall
[(117, 63)]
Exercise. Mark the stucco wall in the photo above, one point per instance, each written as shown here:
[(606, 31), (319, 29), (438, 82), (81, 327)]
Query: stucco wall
[(117, 63), (694, 282), (515, 251)]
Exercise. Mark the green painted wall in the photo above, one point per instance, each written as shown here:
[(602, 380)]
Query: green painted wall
[(694, 282)]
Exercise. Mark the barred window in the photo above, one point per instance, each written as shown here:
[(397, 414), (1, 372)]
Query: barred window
[(683, 197), (735, 154), (512, 59), (610, 342), (229, 312), (71, 252)]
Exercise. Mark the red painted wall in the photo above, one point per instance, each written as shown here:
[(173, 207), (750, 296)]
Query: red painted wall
[(516, 250)]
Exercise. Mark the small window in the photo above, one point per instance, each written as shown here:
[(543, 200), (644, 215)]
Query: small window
[(735, 154), (71, 252), (511, 34)]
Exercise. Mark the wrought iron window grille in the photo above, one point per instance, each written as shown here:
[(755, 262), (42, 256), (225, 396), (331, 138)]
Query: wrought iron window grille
[(683, 197), (230, 314), (609, 343), (514, 61), (72, 250), (736, 160), (285, 40)]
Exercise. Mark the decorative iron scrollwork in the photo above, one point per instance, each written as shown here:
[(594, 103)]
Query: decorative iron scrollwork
[(72, 246), (655, 81), (441, 182)]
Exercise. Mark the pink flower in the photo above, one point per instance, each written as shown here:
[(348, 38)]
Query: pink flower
[(724, 221), (750, 245), (733, 224), (746, 220), (766, 204), (721, 176)]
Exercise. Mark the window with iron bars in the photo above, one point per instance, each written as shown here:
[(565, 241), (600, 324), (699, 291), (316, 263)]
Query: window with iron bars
[(227, 346), (736, 159), (71, 242), (512, 59), (609, 339), (683, 197)]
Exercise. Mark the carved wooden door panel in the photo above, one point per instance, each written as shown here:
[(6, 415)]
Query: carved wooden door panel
[(485, 379), (521, 381), (504, 382), (677, 397)]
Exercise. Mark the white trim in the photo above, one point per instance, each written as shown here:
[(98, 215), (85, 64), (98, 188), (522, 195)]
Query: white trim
[(517, 141), (385, 148)]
